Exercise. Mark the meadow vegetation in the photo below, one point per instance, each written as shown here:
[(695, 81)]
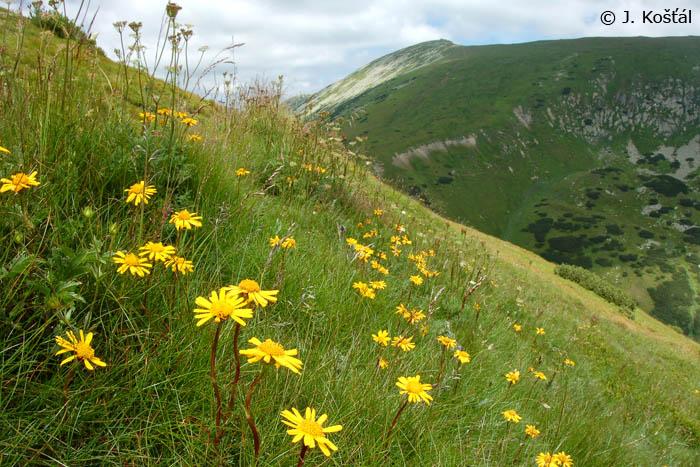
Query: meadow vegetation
[(185, 281)]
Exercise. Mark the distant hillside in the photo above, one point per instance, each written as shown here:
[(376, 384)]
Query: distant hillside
[(584, 151)]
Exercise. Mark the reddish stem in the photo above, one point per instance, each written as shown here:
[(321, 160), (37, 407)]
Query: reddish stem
[(386, 445), (249, 414), (213, 382), (302, 454)]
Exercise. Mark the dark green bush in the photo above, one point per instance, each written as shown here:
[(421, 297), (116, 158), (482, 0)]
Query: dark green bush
[(591, 281)]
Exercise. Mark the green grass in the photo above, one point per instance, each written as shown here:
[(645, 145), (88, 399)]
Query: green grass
[(630, 399)]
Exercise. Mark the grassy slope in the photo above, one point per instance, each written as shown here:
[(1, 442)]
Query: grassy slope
[(629, 400), (517, 177)]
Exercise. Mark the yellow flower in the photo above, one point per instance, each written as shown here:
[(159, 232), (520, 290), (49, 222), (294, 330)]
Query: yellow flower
[(351, 241), (563, 459), (242, 172), (415, 316), (401, 310), (250, 290), (179, 264), (140, 192), (19, 182), (222, 306), (194, 138), (147, 117), (289, 242), (4, 150), (544, 459), (414, 389), (463, 356), (157, 251), (382, 338), (81, 347), (270, 350), (512, 416), (163, 111), (531, 431), (513, 376), (517, 327), (447, 342), (310, 429), (185, 220), (180, 114), (540, 332), (569, 362), (189, 121), (383, 364), (377, 285), (274, 241), (540, 375), (378, 212), (404, 343), (132, 263), (418, 280)]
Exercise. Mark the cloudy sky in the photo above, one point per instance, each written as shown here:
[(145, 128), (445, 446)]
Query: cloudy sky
[(316, 42)]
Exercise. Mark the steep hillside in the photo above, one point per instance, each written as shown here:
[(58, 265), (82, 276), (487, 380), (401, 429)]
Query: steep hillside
[(585, 151), (144, 254)]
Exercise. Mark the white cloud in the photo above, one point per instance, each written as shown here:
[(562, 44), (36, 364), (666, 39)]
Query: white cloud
[(313, 43)]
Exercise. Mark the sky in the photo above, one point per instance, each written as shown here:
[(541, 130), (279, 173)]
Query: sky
[(314, 43)]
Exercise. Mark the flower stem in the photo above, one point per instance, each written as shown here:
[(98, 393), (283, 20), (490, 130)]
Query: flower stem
[(213, 382), (442, 366), (302, 454), (249, 412), (65, 385), (238, 367), (391, 428)]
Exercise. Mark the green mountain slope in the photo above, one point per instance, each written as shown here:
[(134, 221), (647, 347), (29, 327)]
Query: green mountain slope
[(585, 151), (617, 392)]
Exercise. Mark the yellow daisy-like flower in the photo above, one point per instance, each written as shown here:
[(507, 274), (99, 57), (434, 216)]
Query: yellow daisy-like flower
[(415, 316), (540, 375), (531, 431), (447, 342), (383, 364), (404, 343), (274, 241), (140, 192), (272, 352), (414, 389), (130, 262), (179, 264), (517, 327), (157, 251), (18, 182), (463, 356), (377, 285), (185, 220), (194, 138), (250, 291), (147, 117), (222, 306), (540, 332), (310, 429), (569, 362), (351, 241), (512, 416), (189, 121), (403, 311), (289, 242), (418, 280), (563, 459), (382, 338), (378, 212), (241, 172), (513, 376), (163, 111), (180, 115), (544, 459), (81, 347)]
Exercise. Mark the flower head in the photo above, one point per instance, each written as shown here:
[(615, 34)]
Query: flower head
[(250, 291), (185, 220), (377, 285), (517, 327), (136, 265), (189, 121), (415, 316), (404, 343), (544, 459), (512, 416), (383, 364), (221, 306), (447, 342), (19, 182), (403, 311), (179, 264), (540, 375), (513, 376), (195, 138), (157, 251), (563, 459), (417, 280), (146, 117), (381, 338), (274, 241), (270, 351), (414, 389), (140, 192), (378, 212), (463, 356), (310, 429), (540, 332), (289, 242), (83, 350), (531, 431), (569, 362), (242, 172)]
